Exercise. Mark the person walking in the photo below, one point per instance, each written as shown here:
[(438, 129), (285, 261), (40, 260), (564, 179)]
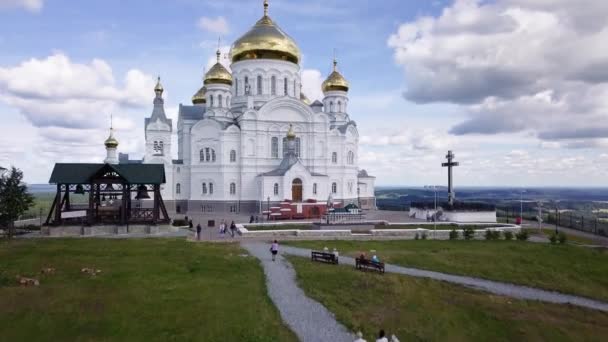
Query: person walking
[(190, 224), (198, 232), (232, 229), (274, 249)]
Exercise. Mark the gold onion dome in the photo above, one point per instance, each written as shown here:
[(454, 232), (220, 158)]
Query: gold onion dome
[(291, 135), (265, 40), (218, 73), (200, 96), (335, 81), (111, 142), (159, 87)]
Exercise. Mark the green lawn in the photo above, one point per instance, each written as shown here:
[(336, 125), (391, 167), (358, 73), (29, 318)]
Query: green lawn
[(426, 310), (149, 290), (569, 269)]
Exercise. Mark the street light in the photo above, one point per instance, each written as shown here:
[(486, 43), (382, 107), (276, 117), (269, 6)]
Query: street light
[(435, 215)]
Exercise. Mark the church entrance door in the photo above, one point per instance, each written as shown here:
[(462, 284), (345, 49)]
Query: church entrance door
[(296, 190)]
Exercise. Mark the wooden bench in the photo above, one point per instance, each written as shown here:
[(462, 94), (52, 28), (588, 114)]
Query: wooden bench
[(366, 264), (329, 258)]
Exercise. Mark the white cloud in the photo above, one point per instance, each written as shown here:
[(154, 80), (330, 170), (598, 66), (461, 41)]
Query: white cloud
[(514, 65), (311, 84), (58, 92), (30, 5), (217, 25)]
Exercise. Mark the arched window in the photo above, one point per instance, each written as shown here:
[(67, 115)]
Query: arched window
[(273, 85), (334, 188), (236, 87), (351, 158), (210, 188), (202, 155), (259, 85), (334, 157), (233, 156), (233, 188), (213, 155), (339, 106), (331, 106), (178, 188), (204, 188), (247, 85), (207, 154), (314, 189), (274, 147), (276, 189), (285, 86), (210, 100), (298, 147), (219, 101)]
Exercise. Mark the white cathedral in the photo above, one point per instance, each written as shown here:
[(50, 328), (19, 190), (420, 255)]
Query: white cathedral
[(252, 137)]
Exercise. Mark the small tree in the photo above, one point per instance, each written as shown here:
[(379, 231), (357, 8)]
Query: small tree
[(14, 198)]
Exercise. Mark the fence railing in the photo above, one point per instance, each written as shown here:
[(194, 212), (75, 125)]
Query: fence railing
[(571, 220)]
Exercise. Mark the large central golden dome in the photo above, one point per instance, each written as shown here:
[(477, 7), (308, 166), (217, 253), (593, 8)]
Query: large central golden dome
[(265, 40)]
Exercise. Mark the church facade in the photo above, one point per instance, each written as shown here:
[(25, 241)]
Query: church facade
[(251, 138)]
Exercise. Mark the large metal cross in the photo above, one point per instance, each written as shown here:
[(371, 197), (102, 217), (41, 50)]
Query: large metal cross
[(450, 164)]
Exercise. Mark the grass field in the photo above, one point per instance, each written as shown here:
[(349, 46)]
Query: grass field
[(426, 310), (569, 269), (549, 231), (149, 290)]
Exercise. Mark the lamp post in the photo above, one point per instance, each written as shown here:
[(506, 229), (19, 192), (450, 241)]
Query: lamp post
[(435, 214)]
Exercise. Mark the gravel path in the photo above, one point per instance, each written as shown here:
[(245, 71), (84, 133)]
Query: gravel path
[(309, 320), (503, 289)]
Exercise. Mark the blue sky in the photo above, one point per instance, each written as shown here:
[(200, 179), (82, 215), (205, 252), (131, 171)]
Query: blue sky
[(426, 76)]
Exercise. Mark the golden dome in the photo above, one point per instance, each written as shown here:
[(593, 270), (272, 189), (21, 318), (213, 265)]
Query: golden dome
[(291, 135), (200, 96), (218, 73), (111, 142), (265, 40), (335, 81), (159, 87)]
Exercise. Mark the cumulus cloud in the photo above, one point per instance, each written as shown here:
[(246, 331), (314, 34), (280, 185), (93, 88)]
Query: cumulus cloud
[(217, 25), (30, 5), (311, 84), (513, 65), (58, 92)]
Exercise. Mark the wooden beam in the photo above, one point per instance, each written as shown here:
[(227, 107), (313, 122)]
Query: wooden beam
[(163, 208), (58, 204), (48, 218), (156, 203)]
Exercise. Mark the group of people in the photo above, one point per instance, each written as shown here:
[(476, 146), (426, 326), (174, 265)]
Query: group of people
[(374, 258), (381, 337), (225, 229)]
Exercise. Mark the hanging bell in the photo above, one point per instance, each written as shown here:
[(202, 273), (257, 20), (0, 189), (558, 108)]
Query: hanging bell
[(142, 192), (109, 187), (103, 198), (79, 189)]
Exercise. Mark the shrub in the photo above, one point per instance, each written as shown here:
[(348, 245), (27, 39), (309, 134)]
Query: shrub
[(522, 235), (424, 236), (4, 279), (553, 239), (561, 237), (454, 234), (468, 233), (508, 235), (417, 237), (492, 234)]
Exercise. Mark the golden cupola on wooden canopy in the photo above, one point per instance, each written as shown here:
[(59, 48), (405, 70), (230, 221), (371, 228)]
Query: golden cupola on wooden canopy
[(335, 81), (200, 97), (266, 40)]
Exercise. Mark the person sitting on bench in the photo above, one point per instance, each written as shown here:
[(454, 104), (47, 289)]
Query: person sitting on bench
[(375, 258)]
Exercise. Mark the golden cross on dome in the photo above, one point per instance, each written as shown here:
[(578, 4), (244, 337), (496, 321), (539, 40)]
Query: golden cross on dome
[(265, 8)]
